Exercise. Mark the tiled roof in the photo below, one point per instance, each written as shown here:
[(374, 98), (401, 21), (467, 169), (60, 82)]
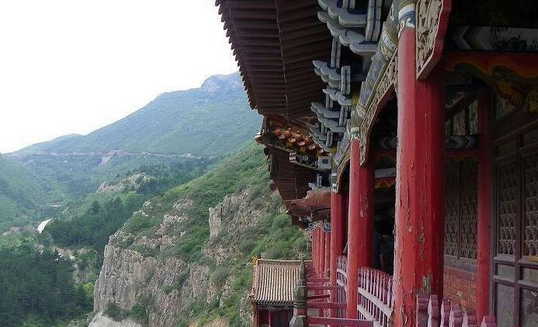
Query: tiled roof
[(274, 282)]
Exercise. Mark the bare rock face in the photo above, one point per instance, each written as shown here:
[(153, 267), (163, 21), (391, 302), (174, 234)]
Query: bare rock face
[(139, 270), (133, 181), (236, 208), (140, 275)]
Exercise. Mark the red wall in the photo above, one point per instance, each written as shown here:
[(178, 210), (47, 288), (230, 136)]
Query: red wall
[(460, 287)]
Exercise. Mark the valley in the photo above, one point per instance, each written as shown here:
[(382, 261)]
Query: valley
[(148, 209)]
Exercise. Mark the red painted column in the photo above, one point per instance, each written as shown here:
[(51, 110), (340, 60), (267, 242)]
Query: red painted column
[(361, 211), (418, 262), (318, 251), (327, 261), (321, 252), (315, 249), (484, 207), (338, 216)]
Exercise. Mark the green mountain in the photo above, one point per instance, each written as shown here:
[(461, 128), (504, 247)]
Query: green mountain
[(176, 127), (202, 122)]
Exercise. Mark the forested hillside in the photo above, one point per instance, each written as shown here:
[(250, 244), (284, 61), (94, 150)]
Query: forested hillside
[(181, 257), (23, 198), (184, 258), (37, 288), (47, 279), (181, 127), (92, 220)]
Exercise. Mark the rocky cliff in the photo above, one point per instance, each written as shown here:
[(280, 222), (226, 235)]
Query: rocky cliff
[(184, 259), (139, 270)]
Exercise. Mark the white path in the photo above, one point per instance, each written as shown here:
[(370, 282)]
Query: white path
[(42, 226)]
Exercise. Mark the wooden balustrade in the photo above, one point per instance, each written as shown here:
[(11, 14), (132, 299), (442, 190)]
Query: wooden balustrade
[(376, 301), (341, 280), (429, 314)]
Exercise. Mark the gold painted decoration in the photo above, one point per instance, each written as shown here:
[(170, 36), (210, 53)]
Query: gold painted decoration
[(531, 102), (386, 84), (432, 22), (513, 77)]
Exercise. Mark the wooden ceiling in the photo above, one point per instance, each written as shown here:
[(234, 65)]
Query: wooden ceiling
[(291, 180), (274, 42)]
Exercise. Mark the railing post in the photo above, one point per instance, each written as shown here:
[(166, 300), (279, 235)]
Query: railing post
[(300, 308)]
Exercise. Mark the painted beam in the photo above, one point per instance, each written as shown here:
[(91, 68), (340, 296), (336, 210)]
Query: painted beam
[(452, 142), (326, 305), (339, 322), (319, 296), (325, 288)]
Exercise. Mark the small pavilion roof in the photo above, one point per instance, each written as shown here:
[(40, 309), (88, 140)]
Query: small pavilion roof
[(274, 282)]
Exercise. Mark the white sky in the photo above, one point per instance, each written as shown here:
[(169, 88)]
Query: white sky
[(72, 66)]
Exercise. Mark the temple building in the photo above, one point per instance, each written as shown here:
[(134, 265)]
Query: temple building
[(272, 294), (403, 136)]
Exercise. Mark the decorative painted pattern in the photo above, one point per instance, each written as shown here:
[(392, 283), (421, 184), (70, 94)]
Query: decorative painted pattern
[(490, 38)]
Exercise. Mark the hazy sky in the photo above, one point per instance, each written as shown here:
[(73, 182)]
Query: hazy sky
[(71, 66)]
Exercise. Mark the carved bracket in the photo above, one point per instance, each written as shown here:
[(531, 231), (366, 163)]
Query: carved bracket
[(432, 22)]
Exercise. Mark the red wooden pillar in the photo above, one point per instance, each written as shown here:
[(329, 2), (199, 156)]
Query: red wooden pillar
[(484, 207), (361, 211), (315, 249), (321, 252), (318, 251), (418, 262), (327, 261), (338, 216)]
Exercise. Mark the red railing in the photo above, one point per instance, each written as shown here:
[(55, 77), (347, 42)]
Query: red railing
[(430, 314), (341, 280), (375, 298)]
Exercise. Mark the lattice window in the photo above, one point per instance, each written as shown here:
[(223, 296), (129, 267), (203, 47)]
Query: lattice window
[(530, 222), (461, 200), (452, 209), (507, 202), (469, 207)]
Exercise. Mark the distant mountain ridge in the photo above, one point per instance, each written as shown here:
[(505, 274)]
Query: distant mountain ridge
[(210, 121), (201, 122)]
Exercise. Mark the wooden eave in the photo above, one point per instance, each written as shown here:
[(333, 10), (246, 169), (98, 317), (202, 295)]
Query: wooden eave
[(274, 42), (316, 204), (291, 180)]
